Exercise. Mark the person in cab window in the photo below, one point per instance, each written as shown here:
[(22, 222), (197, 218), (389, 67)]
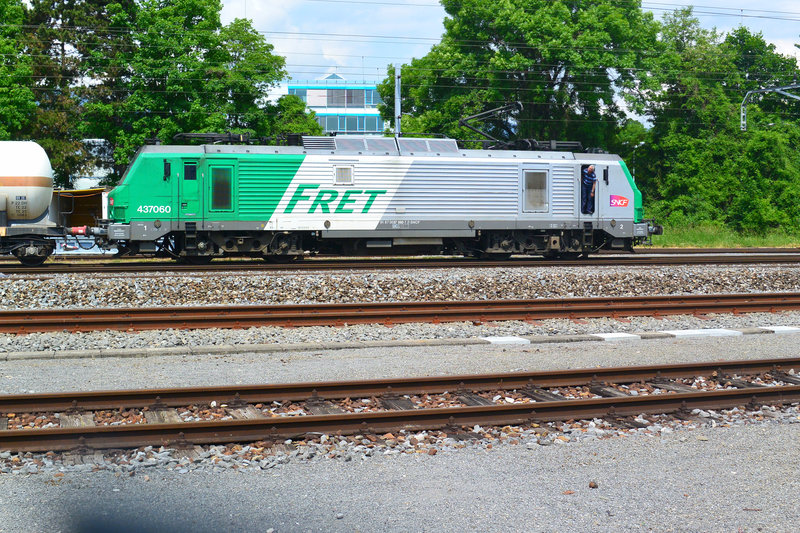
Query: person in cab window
[(588, 186)]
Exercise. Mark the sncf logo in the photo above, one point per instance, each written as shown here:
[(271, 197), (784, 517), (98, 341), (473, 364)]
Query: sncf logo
[(618, 201)]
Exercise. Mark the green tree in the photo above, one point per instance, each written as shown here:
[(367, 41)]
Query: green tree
[(698, 166), (566, 61), (105, 45), (190, 74), (168, 92), (16, 98), (243, 69), (289, 115), (56, 71)]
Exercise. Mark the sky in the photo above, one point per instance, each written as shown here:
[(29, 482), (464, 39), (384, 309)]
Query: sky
[(358, 38)]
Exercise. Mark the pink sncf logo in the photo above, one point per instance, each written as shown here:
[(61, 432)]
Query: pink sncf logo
[(618, 201)]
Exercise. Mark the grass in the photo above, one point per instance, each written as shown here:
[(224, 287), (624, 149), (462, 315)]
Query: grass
[(709, 236)]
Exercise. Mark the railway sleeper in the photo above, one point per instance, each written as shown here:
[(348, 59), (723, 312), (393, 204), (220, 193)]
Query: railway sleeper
[(83, 457), (741, 383), (672, 386), (473, 400), (628, 422), (247, 412), (321, 407), (687, 416), (76, 420), (396, 403), (606, 391), (788, 378), (541, 395), (461, 434), (162, 416)]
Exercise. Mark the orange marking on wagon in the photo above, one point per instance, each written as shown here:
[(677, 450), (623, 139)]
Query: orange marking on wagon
[(26, 181)]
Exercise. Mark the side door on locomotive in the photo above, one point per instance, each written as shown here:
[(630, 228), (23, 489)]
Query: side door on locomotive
[(190, 192), (594, 203)]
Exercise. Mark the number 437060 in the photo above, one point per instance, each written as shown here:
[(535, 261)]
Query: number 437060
[(154, 209)]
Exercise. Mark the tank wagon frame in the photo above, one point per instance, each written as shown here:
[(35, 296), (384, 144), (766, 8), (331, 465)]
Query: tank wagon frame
[(366, 195)]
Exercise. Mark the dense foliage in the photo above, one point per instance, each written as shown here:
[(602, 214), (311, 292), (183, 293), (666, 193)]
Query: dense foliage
[(665, 95), (696, 164), (554, 56), (16, 97), (91, 81)]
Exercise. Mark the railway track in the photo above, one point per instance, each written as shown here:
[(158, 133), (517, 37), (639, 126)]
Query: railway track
[(101, 264), (239, 316), (248, 413)]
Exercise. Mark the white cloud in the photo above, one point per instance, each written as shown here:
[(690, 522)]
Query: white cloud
[(787, 47)]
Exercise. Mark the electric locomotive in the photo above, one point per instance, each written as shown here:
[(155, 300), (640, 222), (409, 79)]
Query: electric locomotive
[(367, 195)]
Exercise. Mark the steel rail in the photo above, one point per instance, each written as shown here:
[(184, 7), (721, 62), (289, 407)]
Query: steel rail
[(649, 258), (192, 433), (236, 316), (330, 390)]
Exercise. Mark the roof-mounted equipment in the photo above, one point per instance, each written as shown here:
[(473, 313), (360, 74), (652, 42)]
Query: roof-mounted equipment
[(517, 144)]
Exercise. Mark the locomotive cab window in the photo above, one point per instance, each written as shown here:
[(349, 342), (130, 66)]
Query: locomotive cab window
[(535, 191), (190, 171), (221, 188)]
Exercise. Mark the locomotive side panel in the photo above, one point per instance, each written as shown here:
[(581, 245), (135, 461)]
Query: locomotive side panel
[(339, 193)]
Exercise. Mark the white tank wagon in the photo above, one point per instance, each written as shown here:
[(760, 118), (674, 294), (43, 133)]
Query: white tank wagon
[(26, 189)]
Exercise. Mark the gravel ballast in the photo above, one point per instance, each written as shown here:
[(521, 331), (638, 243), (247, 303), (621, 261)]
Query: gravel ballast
[(738, 479), (180, 289), (65, 291), (727, 471)]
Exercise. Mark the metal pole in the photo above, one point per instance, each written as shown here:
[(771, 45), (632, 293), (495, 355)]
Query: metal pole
[(780, 90), (397, 110)]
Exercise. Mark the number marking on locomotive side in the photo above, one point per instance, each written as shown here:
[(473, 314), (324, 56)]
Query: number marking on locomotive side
[(154, 209)]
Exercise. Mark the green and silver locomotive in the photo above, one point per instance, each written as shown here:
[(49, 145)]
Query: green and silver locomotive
[(367, 195)]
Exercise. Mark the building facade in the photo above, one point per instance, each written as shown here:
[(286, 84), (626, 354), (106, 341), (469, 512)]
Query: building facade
[(342, 106)]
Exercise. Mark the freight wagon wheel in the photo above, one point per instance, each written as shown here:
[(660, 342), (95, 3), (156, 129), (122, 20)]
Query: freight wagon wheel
[(32, 260)]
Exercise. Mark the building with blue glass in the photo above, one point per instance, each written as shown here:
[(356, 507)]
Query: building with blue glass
[(342, 106)]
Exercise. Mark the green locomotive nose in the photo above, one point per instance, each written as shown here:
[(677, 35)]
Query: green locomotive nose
[(638, 208)]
